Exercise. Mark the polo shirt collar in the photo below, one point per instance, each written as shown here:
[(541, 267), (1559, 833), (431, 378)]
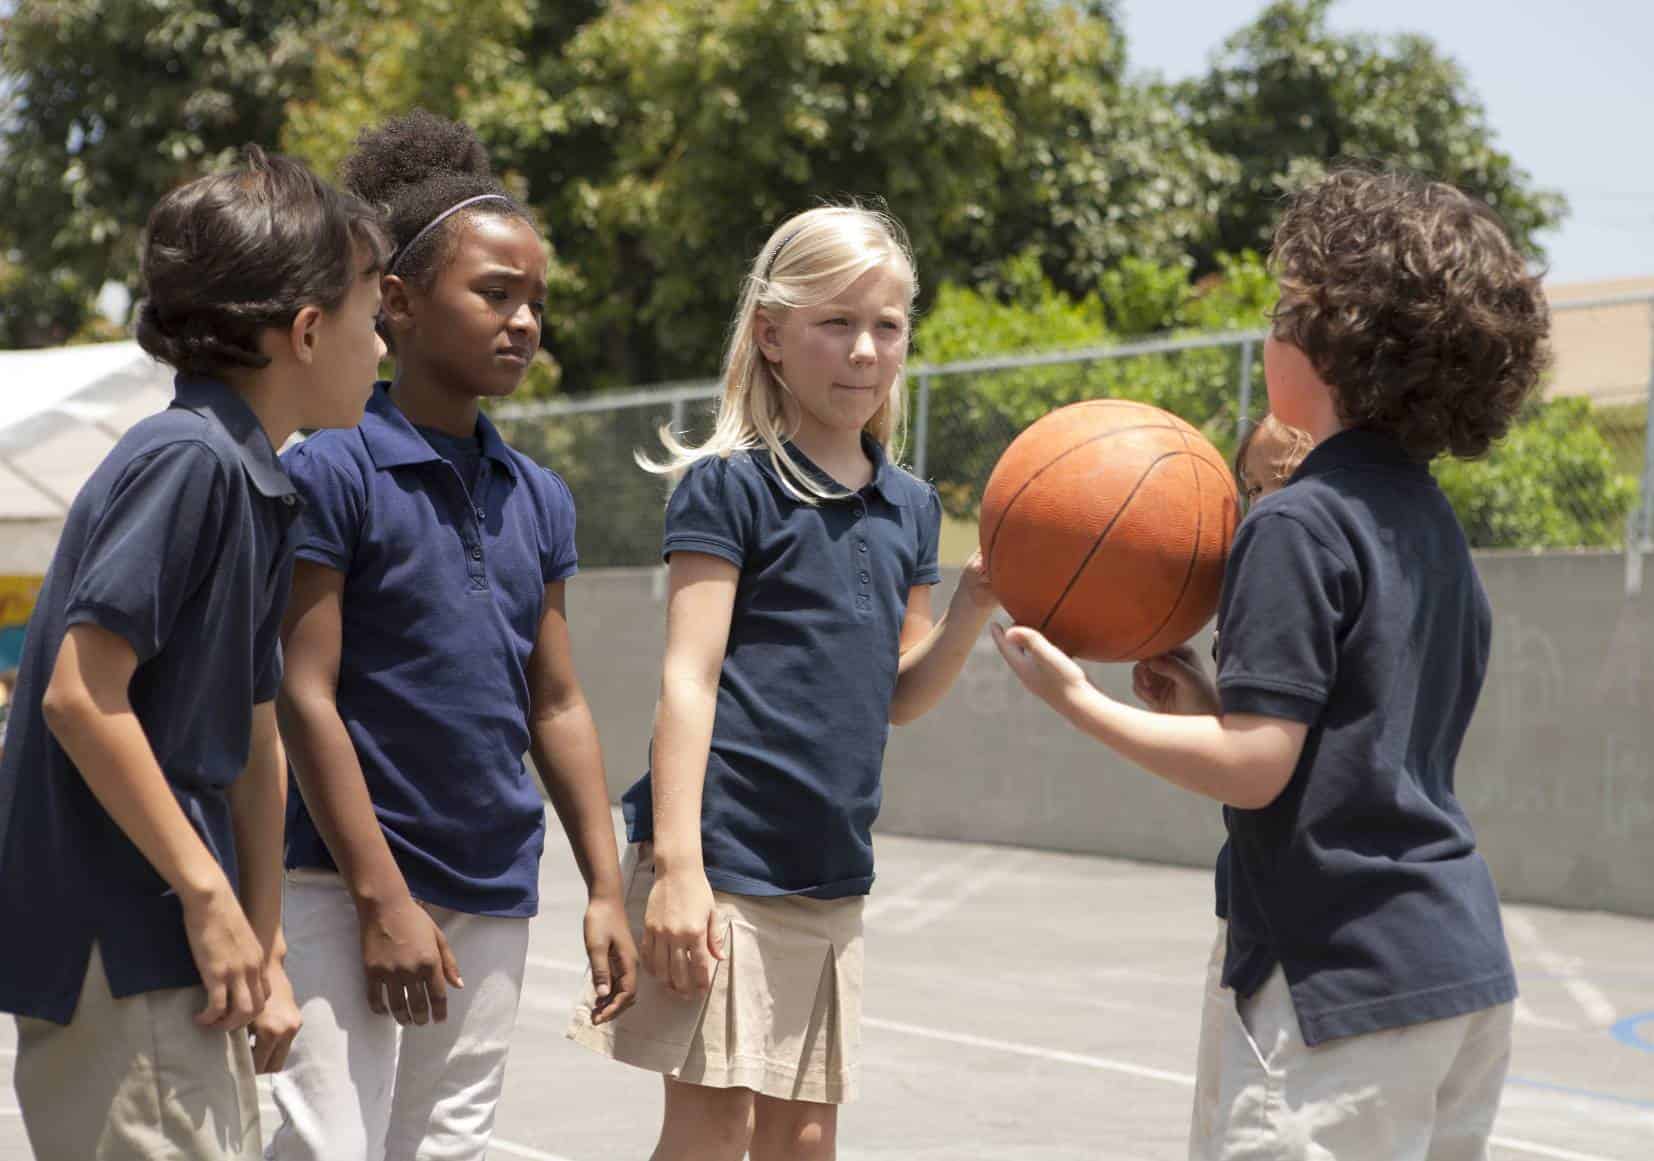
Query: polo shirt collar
[(1358, 448), (884, 480), (394, 442), (222, 404)]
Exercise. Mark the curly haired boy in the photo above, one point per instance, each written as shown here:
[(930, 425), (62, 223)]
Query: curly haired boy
[(1360, 993)]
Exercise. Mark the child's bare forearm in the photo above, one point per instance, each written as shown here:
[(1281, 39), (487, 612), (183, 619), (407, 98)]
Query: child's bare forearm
[(97, 727), (1240, 760), (570, 761), (683, 741), (258, 809), (929, 669), (335, 794)]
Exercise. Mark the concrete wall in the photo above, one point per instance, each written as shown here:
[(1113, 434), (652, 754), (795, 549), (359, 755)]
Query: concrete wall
[(1557, 772)]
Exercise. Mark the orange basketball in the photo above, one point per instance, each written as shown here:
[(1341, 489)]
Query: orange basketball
[(1106, 525)]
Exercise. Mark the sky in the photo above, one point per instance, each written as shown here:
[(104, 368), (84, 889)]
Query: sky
[(1568, 89)]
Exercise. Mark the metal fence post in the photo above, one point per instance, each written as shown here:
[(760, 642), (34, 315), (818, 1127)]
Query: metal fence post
[(921, 428), (1639, 531), (1245, 388)]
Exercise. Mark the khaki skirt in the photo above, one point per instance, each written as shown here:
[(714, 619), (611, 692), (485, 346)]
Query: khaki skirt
[(783, 1016)]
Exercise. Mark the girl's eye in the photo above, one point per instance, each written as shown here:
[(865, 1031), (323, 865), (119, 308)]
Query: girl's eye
[(537, 306), (494, 294), (836, 322)]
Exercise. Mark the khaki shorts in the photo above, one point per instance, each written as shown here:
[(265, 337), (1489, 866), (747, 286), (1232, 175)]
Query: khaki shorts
[(1424, 1092), (135, 1079), (783, 1017)]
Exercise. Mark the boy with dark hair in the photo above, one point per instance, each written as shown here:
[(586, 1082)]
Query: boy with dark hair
[(143, 782), (1359, 998)]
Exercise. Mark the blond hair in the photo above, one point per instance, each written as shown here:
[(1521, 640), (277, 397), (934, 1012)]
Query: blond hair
[(810, 258)]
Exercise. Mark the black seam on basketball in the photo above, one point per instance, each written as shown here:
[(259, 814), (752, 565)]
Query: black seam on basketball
[(1194, 555), (1056, 605), (993, 537)]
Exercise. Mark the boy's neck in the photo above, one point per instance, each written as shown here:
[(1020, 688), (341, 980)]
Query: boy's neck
[(428, 403)]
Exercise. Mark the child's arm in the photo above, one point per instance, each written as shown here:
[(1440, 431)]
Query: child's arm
[(258, 806), (680, 937), (1242, 760), (563, 740), (404, 953), (88, 712), (932, 656)]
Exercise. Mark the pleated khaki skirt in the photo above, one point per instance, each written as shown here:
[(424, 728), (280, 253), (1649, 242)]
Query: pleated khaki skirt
[(783, 1016)]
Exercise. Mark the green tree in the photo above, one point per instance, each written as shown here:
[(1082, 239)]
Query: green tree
[(974, 415), (1553, 482), (104, 107), (1286, 95), (683, 132)]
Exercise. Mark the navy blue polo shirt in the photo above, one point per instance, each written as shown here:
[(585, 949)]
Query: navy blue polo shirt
[(444, 590), (803, 709), (1351, 605), (181, 543)]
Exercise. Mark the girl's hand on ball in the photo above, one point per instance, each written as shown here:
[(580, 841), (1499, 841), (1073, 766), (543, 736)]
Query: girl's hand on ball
[(1048, 672), (973, 586), (1175, 682)]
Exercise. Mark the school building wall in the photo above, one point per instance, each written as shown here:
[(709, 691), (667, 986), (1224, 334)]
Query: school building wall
[(1557, 771)]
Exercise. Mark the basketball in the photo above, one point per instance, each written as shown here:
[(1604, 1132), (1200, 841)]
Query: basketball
[(1105, 525)]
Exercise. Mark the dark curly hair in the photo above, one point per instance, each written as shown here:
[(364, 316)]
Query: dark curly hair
[(1413, 305), (413, 168), (233, 253)]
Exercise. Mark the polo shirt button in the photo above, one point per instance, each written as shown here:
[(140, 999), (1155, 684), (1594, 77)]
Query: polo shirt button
[(865, 578), (861, 546), (481, 515), (476, 554), (289, 499)]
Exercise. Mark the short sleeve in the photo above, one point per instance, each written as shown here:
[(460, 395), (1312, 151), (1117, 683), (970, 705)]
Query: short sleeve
[(335, 503), (559, 559), (710, 512), (1285, 600), (926, 569), (153, 546)]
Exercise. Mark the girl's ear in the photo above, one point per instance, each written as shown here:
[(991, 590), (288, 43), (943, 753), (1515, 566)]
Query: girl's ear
[(396, 303), (767, 333)]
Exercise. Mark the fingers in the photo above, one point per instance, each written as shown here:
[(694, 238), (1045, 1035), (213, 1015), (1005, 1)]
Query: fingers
[(659, 958), (625, 985), (678, 971), (419, 995), (396, 996), (217, 1004), (238, 1010), (714, 938), (602, 983), (376, 995), (450, 965)]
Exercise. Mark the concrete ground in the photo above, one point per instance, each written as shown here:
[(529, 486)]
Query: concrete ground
[(1027, 1005)]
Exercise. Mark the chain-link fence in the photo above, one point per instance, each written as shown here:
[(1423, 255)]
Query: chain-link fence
[(1577, 470)]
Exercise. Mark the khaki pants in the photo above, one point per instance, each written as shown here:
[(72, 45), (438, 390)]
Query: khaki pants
[(1426, 1092), (136, 1079)]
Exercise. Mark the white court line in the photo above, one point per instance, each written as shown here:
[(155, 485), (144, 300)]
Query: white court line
[(1543, 1150), (1101, 1063), (557, 965), (1528, 1017), (1038, 1052), (928, 912), (1587, 995)]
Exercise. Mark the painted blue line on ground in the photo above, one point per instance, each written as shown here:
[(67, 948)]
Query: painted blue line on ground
[(1546, 1086), (1626, 1031)]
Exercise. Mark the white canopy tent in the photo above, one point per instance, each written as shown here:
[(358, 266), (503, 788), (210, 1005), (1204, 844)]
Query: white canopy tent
[(61, 411)]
